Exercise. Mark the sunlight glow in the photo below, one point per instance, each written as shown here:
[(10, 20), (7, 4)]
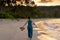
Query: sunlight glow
[(53, 3)]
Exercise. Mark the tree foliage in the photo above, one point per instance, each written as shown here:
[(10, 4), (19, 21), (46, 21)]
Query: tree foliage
[(33, 12), (11, 2)]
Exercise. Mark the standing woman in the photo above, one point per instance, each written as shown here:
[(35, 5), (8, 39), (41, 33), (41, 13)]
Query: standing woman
[(29, 28)]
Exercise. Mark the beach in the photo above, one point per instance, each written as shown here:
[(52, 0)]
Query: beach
[(9, 29)]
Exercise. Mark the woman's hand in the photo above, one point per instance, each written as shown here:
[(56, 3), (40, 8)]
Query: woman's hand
[(35, 25), (22, 28)]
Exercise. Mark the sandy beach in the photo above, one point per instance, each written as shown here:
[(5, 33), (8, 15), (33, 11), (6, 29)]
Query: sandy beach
[(9, 30)]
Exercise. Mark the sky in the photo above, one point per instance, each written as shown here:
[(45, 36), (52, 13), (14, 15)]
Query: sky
[(53, 3)]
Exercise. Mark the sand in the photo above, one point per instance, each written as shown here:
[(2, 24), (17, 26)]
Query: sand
[(9, 30)]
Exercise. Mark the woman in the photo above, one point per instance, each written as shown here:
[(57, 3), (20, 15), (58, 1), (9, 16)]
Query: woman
[(29, 28)]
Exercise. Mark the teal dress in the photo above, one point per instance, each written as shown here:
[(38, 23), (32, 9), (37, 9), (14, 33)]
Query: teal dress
[(30, 29)]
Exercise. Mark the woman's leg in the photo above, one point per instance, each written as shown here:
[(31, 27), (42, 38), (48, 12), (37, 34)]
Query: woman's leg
[(30, 38), (30, 34)]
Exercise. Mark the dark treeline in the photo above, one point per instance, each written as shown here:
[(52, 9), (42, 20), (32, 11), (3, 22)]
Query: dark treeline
[(33, 12)]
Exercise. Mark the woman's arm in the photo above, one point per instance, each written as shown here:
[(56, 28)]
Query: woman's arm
[(24, 24), (35, 24), (22, 28)]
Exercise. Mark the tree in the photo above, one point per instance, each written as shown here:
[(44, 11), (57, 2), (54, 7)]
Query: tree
[(8, 2), (2, 2), (26, 1)]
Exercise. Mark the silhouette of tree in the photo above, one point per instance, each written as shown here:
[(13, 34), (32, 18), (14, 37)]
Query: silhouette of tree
[(26, 1), (8, 2), (32, 3), (2, 2), (13, 1)]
